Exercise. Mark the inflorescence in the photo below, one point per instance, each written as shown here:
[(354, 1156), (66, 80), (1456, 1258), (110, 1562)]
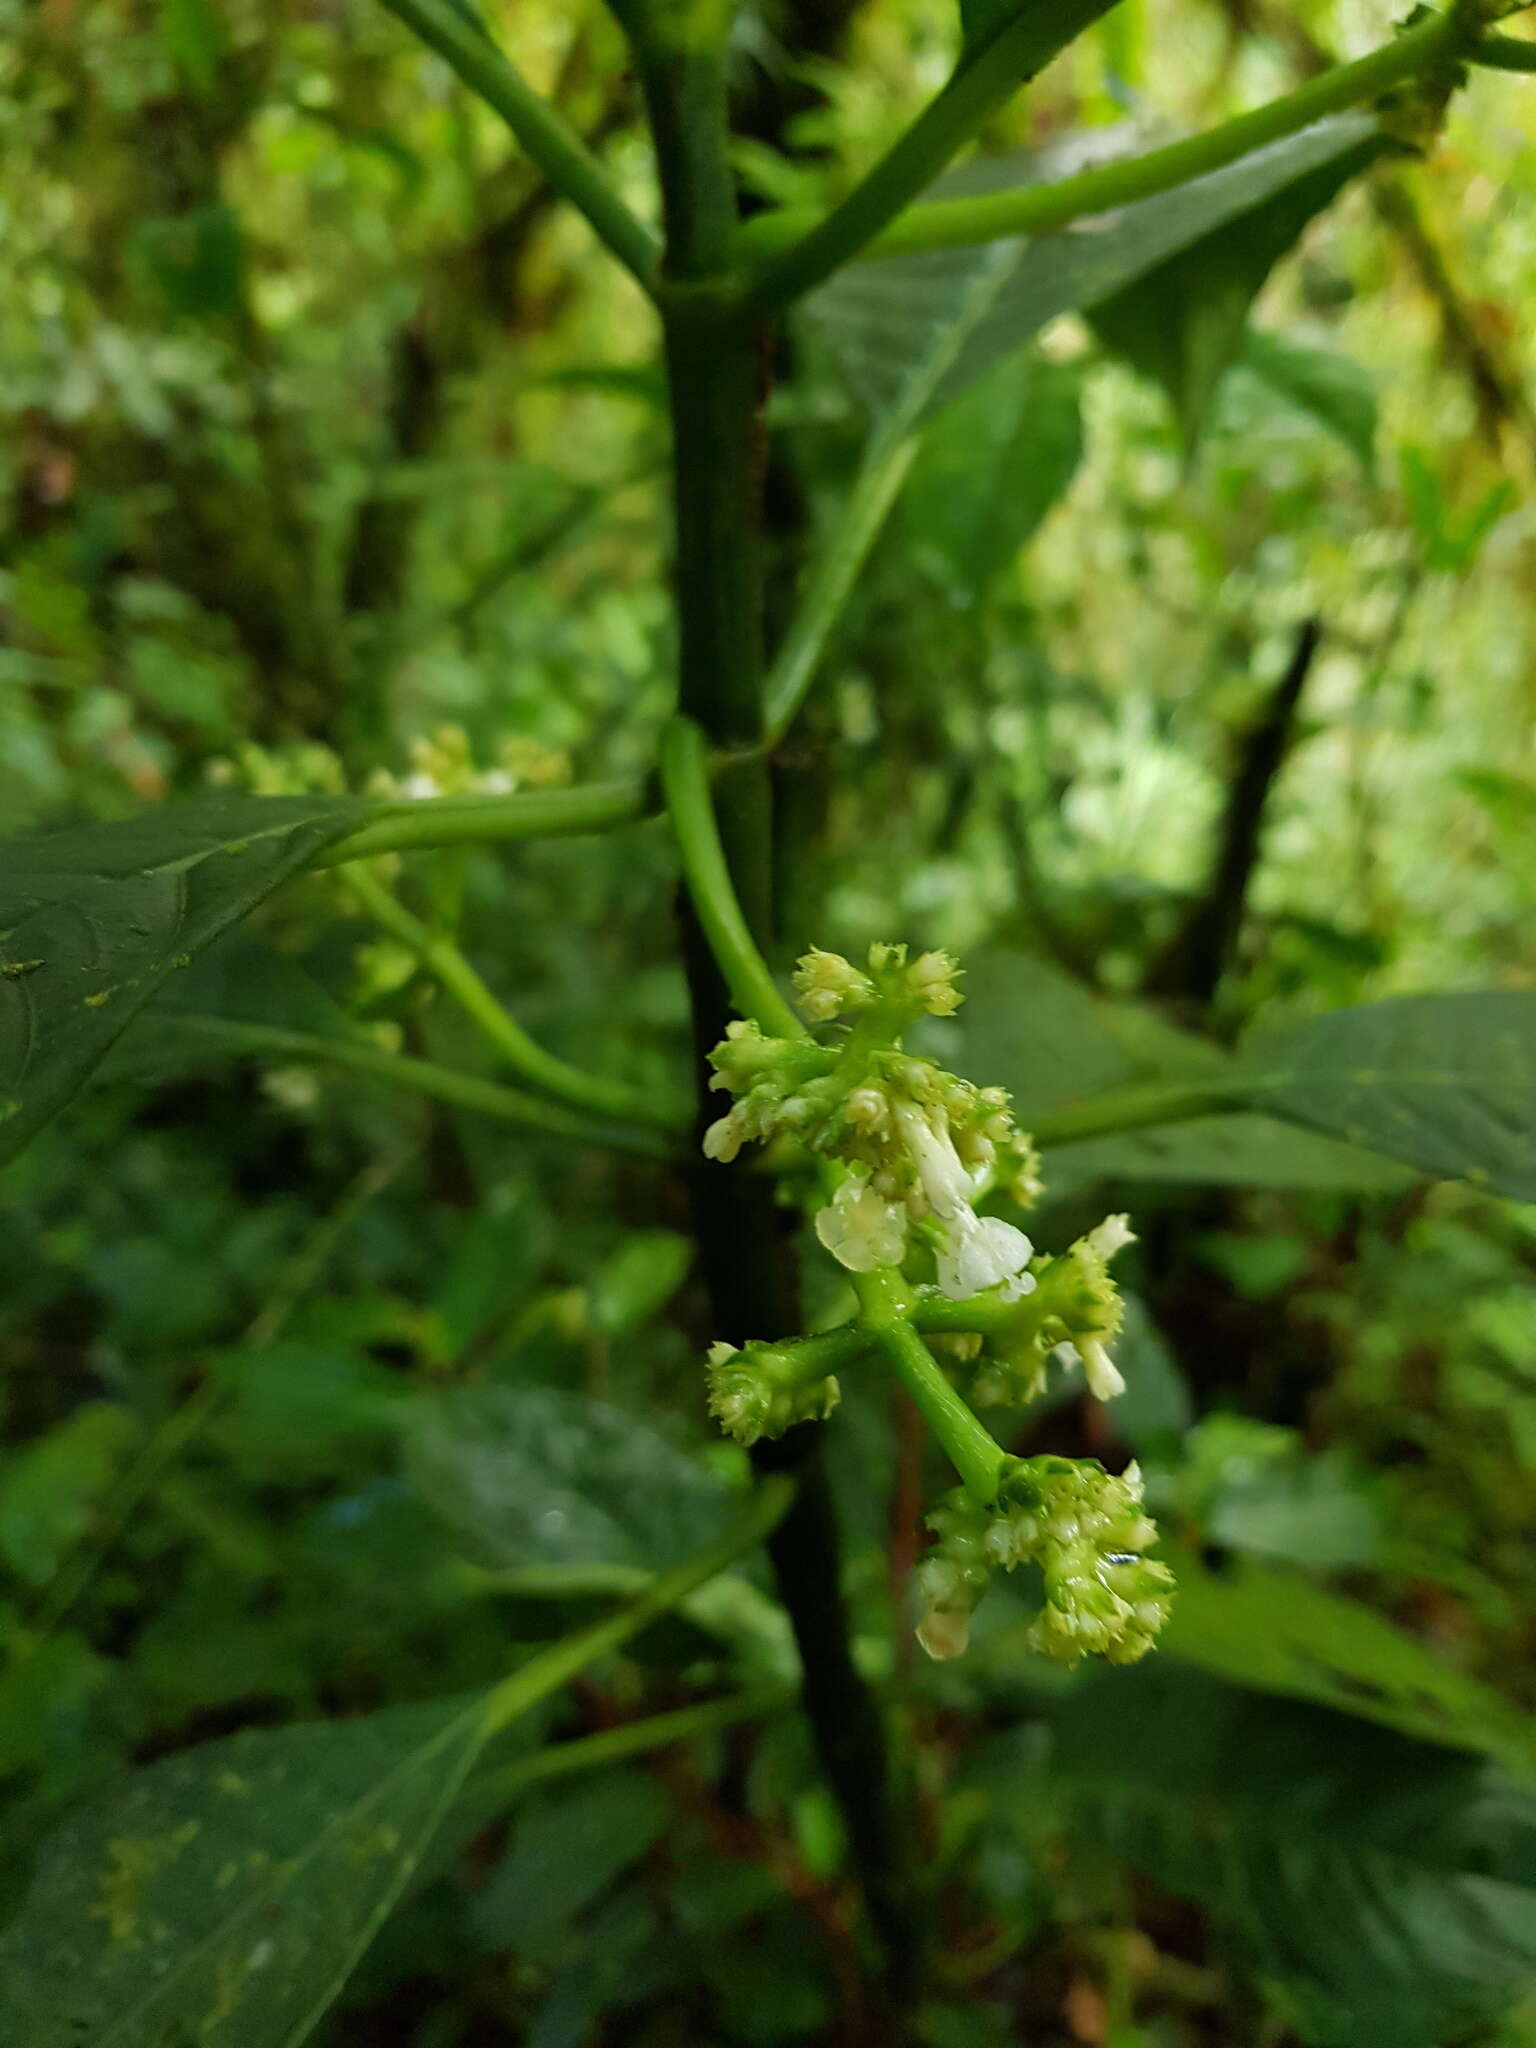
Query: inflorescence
[(902, 1154)]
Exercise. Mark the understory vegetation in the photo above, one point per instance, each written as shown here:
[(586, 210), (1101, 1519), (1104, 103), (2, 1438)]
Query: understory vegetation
[(767, 1024)]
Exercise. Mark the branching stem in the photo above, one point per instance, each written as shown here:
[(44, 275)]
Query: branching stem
[(557, 150), (448, 966)]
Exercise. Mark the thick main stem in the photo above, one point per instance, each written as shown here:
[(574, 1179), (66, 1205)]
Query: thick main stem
[(716, 372)]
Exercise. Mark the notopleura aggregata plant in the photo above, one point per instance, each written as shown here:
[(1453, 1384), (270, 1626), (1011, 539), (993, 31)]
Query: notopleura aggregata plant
[(895, 1160)]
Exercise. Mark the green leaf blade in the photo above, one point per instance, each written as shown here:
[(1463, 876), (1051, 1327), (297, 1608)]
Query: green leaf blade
[(94, 920), (224, 1895), (879, 319), (1446, 1083)]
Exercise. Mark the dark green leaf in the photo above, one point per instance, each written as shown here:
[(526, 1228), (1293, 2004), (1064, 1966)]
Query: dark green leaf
[(1182, 322), (1446, 1083), (1271, 1628), (224, 1895), (92, 921), (1227, 1151), (568, 1845), (535, 1478), (883, 319), (980, 487), (1386, 1886), (1336, 390)]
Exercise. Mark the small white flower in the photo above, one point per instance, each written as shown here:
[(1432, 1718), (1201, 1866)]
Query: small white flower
[(420, 785), (981, 1251), (724, 1137), (984, 1251), (859, 1229), (1104, 1377), (1111, 1236)]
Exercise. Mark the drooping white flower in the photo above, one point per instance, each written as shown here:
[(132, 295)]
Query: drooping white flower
[(979, 1251), (982, 1252), (861, 1229), (1104, 1377)]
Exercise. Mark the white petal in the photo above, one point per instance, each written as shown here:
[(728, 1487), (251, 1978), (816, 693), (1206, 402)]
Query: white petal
[(940, 1168), (1099, 1369), (1111, 1236), (860, 1230), (982, 1251)]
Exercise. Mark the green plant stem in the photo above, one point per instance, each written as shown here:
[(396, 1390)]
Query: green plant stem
[(973, 1452), (400, 826), (1040, 209), (423, 1077), (495, 1788), (1504, 53), (981, 83), (562, 1661), (690, 806), (716, 365), (559, 152), (1134, 1109), (449, 967)]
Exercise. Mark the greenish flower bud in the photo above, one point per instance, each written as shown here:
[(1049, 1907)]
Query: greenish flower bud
[(764, 1389), (1083, 1528)]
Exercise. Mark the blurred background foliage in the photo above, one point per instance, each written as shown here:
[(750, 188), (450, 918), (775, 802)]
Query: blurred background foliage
[(323, 424)]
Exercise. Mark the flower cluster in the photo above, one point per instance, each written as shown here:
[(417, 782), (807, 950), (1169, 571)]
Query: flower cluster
[(1085, 1532), (442, 763), (1074, 1302), (915, 1144), (763, 1389)]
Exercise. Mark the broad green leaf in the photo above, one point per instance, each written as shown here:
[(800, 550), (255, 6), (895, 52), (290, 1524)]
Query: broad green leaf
[(1182, 322), (1037, 1031), (1386, 1887), (1268, 1627), (92, 921), (1255, 1487), (224, 1895), (881, 319), (568, 1845), (1337, 391), (1054, 1043), (979, 488), (538, 1479), (1446, 1083), (1227, 1151)]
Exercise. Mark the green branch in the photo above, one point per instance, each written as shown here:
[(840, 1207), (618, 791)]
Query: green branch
[(972, 1450), (685, 779), (1436, 42), (983, 81), (398, 826), (555, 147), (1134, 1109), (563, 1660), (421, 1077), (1504, 53), (523, 1054)]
